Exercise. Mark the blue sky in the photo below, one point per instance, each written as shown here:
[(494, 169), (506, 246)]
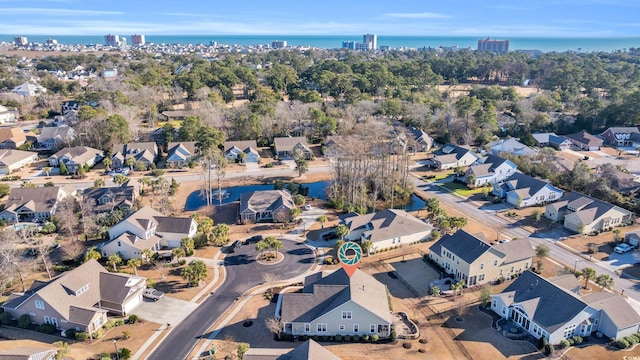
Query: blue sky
[(519, 18)]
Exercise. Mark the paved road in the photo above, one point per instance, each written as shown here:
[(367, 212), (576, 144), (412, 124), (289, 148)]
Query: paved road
[(471, 210), (242, 273)]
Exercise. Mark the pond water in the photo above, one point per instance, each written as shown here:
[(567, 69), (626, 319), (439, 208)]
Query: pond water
[(316, 190)]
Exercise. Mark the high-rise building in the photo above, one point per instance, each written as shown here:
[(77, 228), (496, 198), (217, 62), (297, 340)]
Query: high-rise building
[(137, 40), (52, 41), (278, 44), (21, 40), (112, 40), (371, 40), (349, 45), (496, 46)]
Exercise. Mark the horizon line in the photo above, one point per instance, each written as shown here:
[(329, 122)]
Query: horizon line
[(327, 35)]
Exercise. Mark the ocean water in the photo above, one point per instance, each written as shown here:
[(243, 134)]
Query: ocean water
[(335, 41)]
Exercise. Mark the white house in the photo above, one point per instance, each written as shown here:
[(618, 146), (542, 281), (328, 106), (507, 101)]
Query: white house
[(12, 160), (337, 304), (509, 146), (26, 204), (29, 89), (553, 309), (523, 190), (490, 170), (180, 153), (75, 157), (386, 229), (53, 138), (452, 156), (233, 149), (7, 115), (147, 229), (584, 214)]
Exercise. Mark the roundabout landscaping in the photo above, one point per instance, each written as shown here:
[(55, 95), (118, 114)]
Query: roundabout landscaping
[(268, 258)]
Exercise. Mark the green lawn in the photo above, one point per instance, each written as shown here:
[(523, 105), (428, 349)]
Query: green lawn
[(461, 189), (439, 176)]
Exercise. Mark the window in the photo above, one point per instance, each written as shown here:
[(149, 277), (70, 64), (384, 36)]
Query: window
[(356, 328), (47, 320), (98, 323), (346, 314), (493, 303), (481, 277), (307, 327), (481, 266), (321, 327), (495, 262), (39, 304), (372, 328), (341, 327)]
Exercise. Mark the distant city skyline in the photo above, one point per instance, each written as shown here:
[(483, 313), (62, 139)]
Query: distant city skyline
[(498, 18)]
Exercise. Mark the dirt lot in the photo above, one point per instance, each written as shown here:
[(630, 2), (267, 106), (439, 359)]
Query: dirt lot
[(600, 242), (601, 352)]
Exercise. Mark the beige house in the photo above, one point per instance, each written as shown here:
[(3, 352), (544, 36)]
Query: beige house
[(146, 228), (74, 157), (28, 353), (266, 205), (452, 156), (143, 152), (477, 262), (584, 214), (386, 229), (78, 299), (336, 304), (25, 204), (286, 147), (12, 138), (13, 160)]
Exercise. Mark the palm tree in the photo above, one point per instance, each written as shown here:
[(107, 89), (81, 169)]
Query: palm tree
[(134, 264), (342, 230), (92, 253), (605, 281), (107, 163), (47, 170), (587, 273), (261, 246), (98, 183), (616, 235), (274, 244), (147, 254), (178, 253), (322, 219), (114, 260), (366, 246), (131, 162), (295, 212)]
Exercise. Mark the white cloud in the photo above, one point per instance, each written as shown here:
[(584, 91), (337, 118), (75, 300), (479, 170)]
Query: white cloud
[(56, 12), (417, 15)]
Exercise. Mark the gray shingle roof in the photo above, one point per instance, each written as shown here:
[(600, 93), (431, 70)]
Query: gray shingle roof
[(265, 200), (525, 185), (584, 137), (615, 306), (41, 199), (9, 156), (463, 245), (386, 224), (289, 143)]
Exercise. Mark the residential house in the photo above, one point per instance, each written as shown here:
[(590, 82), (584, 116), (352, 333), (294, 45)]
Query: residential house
[(510, 146), (386, 229), (266, 205), (333, 144), (308, 350), (286, 147), (12, 138), (585, 141), (28, 353), (12, 160), (76, 156), (180, 153), (584, 214), (553, 308), (106, 199), (28, 204), (171, 115), (490, 170), (79, 299), (553, 140), (146, 228), (621, 136), (523, 190), (144, 153), (622, 182), (632, 238), (477, 262), (57, 137), (452, 156), (109, 73), (423, 142), (7, 115), (29, 89), (233, 149), (337, 304)]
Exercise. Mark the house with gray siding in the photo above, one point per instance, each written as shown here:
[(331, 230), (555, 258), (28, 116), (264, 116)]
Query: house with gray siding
[(233, 149), (336, 304), (488, 171), (29, 204), (523, 190), (266, 205), (583, 214)]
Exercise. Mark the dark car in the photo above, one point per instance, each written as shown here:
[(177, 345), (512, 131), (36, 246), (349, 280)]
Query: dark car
[(329, 236), (254, 239), (235, 246)]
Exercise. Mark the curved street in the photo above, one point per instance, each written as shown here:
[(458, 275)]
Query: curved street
[(243, 272)]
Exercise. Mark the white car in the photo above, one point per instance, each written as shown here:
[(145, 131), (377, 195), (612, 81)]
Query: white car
[(307, 207), (623, 248)]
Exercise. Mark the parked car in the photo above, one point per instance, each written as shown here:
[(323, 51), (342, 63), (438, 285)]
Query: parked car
[(307, 207), (153, 294), (623, 248), (235, 246), (329, 236), (254, 239)]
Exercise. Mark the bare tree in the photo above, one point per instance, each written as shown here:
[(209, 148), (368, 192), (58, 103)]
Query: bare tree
[(66, 215), (73, 249), (274, 325)]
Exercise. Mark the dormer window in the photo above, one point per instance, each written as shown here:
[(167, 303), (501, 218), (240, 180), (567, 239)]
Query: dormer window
[(82, 289)]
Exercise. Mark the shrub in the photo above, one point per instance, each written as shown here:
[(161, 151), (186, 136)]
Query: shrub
[(124, 354), (631, 339), (366, 338), (24, 321), (548, 349), (422, 351), (5, 318), (46, 328), (422, 341), (622, 343), (338, 338), (132, 319), (393, 336), (324, 338), (356, 338), (347, 338), (577, 340), (126, 334), (304, 337), (182, 262), (570, 341), (407, 345), (564, 343), (98, 334), (70, 334), (82, 336), (375, 337)]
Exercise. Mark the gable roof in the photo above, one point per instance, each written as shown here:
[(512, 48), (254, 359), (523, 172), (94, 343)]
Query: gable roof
[(510, 145), (553, 307), (515, 250), (289, 143), (584, 137), (184, 149), (11, 156), (463, 245), (265, 200), (308, 350), (386, 224), (524, 185), (451, 153), (119, 196), (622, 130), (551, 138), (79, 154), (136, 149), (63, 133), (14, 133), (41, 199), (615, 306), (489, 164), (28, 353), (588, 209), (323, 293)]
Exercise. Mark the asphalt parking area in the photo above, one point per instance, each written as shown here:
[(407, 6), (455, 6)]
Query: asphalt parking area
[(166, 310)]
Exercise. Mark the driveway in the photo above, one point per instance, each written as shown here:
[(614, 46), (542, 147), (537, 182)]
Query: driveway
[(166, 310), (617, 261), (251, 166)]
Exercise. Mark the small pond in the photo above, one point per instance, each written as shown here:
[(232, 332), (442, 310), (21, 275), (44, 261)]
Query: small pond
[(316, 190)]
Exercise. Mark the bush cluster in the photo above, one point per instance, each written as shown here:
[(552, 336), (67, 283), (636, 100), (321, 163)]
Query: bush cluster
[(628, 341)]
